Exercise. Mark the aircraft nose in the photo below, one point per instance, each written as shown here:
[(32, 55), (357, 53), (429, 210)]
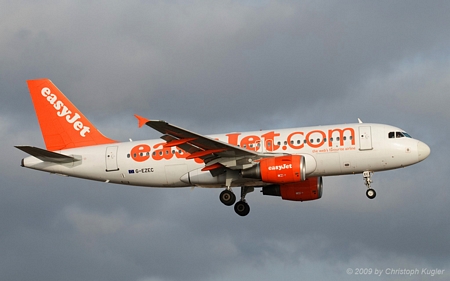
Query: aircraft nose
[(423, 150)]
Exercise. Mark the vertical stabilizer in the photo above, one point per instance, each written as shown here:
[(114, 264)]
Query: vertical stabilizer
[(63, 126)]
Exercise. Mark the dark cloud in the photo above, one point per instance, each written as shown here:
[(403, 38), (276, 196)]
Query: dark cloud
[(220, 67)]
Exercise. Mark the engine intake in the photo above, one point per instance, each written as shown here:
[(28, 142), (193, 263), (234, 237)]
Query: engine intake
[(281, 169)]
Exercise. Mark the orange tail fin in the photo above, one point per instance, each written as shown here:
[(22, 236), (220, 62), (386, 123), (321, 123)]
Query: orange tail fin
[(63, 126)]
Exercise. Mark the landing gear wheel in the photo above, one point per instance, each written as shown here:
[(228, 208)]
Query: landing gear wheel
[(242, 208), (227, 197), (367, 177), (370, 193)]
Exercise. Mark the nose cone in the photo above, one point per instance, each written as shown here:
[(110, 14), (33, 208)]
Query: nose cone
[(423, 150)]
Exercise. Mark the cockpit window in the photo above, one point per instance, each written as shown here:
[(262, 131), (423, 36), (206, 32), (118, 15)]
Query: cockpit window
[(397, 135)]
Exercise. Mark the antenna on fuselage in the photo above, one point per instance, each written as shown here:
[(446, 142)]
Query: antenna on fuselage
[(359, 120)]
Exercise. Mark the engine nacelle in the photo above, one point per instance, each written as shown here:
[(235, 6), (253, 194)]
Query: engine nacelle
[(310, 189), (281, 169)]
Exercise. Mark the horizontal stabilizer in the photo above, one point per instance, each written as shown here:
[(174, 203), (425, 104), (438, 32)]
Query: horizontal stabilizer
[(47, 156)]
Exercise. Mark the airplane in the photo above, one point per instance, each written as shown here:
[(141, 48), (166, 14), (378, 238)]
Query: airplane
[(288, 163)]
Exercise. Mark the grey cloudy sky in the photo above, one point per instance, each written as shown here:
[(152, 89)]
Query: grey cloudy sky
[(220, 66)]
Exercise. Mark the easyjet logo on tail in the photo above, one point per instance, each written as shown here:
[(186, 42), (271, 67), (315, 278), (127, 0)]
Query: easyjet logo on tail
[(64, 112)]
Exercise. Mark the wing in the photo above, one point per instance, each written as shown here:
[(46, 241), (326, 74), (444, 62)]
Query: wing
[(216, 154)]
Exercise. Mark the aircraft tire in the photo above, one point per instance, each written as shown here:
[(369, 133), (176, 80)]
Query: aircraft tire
[(242, 208), (370, 193), (227, 197)]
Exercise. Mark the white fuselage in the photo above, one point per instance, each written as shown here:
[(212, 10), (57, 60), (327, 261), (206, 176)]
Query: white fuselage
[(328, 150)]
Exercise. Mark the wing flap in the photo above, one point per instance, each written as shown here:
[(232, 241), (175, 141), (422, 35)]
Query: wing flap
[(177, 142), (203, 153), (189, 148)]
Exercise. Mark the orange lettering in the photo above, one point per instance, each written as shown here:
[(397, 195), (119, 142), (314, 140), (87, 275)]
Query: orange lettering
[(291, 144), (341, 136), (269, 141), (319, 144), (140, 153), (163, 153), (250, 142), (233, 138)]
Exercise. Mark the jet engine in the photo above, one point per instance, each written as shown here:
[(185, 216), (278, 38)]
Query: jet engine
[(310, 189), (279, 170)]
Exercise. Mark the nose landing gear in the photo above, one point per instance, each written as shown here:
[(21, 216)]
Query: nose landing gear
[(370, 193), (367, 177)]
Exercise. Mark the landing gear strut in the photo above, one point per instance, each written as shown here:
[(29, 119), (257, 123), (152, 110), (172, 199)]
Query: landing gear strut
[(228, 198), (242, 208), (367, 177)]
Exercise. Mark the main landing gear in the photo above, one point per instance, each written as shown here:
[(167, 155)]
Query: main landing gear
[(367, 177), (228, 198)]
